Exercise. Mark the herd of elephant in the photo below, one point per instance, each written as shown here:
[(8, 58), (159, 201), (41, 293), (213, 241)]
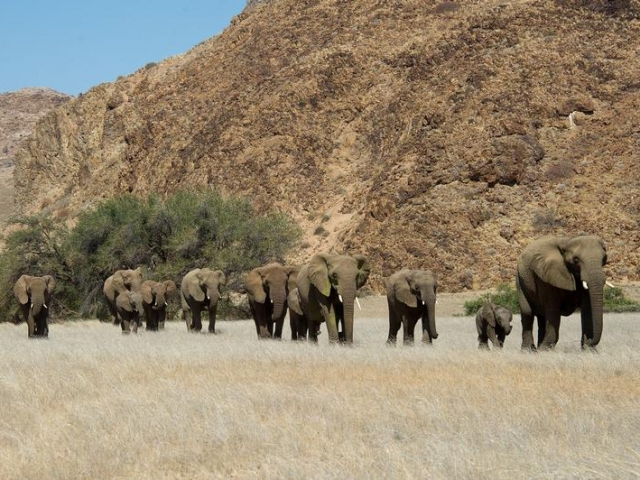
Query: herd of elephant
[(555, 276)]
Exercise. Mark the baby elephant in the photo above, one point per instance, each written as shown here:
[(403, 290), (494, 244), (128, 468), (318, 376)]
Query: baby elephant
[(493, 323)]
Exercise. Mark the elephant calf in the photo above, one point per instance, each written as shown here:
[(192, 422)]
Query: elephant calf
[(493, 323)]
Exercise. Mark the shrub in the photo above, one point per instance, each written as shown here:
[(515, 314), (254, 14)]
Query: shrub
[(187, 230), (616, 302), (505, 295)]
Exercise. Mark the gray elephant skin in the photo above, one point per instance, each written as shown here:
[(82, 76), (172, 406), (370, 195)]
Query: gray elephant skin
[(556, 276), (130, 309), (200, 290), (155, 296), (267, 288), (327, 286), (493, 323), (411, 295), (34, 297), (121, 281)]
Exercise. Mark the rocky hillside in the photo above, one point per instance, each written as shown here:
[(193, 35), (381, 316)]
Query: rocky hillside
[(425, 134), (19, 112)]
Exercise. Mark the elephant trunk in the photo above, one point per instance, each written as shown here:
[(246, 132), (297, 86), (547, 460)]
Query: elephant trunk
[(592, 326), (348, 300), (430, 310), (279, 299)]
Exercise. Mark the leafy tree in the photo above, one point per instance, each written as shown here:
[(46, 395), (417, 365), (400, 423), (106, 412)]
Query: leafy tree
[(169, 237)]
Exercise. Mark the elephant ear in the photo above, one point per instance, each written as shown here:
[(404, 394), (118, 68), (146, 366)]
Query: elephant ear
[(125, 302), (292, 277), (488, 313), (254, 287), (170, 287), (318, 273), (147, 292), (117, 282), (51, 283), (364, 269), (293, 300), (194, 288), (222, 279), (402, 292), (20, 290), (547, 262)]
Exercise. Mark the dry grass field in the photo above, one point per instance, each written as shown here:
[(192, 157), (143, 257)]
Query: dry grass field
[(92, 403)]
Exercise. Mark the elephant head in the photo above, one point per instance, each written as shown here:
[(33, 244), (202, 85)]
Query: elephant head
[(337, 278), (155, 294), (130, 280), (497, 316), (271, 283), (575, 265), (204, 285), (417, 289), (34, 296)]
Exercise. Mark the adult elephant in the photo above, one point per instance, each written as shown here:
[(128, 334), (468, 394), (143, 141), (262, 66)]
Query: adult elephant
[(34, 297), (130, 309), (556, 276), (267, 288), (121, 281), (200, 290), (154, 301), (411, 295), (327, 286), (297, 319)]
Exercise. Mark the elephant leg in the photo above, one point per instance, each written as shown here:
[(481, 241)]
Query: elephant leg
[(314, 328), (527, 332), (542, 329), (126, 327), (188, 318), (212, 318), (491, 334), (552, 325), (196, 319), (501, 337), (113, 311), (483, 341), (31, 324), (394, 326), (293, 324)]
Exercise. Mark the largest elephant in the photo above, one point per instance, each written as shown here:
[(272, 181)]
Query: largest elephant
[(556, 276), (129, 280), (200, 290), (34, 297), (327, 287), (267, 288)]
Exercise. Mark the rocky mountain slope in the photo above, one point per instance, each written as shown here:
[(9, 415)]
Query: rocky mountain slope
[(19, 112), (425, 134)]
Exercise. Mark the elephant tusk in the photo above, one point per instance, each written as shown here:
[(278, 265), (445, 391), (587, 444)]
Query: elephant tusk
[(166, 304), (610, 285), (31, 306), (358, 302), (584, 285), (340, 298), (436, 301), (208, 297), (45, 306)]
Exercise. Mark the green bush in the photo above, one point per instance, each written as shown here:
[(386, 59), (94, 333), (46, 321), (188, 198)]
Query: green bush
[(616, 302), (505, 296), (169, 237)]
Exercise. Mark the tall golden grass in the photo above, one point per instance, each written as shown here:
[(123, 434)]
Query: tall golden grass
[(92, 403)]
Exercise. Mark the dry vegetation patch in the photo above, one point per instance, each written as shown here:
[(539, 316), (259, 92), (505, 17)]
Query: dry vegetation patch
[(90, 402)]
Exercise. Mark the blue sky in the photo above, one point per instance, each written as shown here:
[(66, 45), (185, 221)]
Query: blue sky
[(71, 46)]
